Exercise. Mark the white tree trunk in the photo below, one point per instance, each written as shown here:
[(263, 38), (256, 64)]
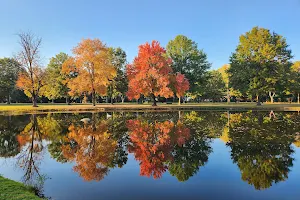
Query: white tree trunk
[(272, 94)]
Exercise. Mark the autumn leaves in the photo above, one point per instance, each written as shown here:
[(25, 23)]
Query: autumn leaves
[(151, 74), (260, 69), (97, 70), (31, 78), (93, 66)]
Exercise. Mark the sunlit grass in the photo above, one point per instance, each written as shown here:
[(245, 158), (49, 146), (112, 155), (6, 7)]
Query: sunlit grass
[(74, 107), (15, 191)]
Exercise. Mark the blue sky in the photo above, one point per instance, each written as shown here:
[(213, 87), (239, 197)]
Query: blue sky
[(214, 24)]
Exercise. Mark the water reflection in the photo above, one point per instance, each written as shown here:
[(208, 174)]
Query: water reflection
[(261, 146), (153, 143), (32, 148), (91, 147), (10, 127), (261, 143)]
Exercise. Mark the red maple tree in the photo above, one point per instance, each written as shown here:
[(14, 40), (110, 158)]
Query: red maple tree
[(149, 73), (181, 85)]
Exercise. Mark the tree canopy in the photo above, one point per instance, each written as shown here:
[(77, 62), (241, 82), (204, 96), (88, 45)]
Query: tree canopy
[(260, 69), (118, 85), (92, 62), (149, 73), (188, 60), (260, 63), (294, 84), (9, 71), (32, 78), (57, 84)]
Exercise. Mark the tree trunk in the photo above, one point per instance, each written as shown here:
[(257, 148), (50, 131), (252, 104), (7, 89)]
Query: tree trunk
[(123, 99), (298, 98), (228, 119), (52, 100), (258, 101), (272, 100), (179, 100), (228, 97), (67, 100), (34, 101), (8, 98), (154, 100), (111, 100), (272, 94), (94, 98)]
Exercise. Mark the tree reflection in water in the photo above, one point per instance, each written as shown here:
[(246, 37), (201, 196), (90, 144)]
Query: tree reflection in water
[(178, 142), (261, 146), (167, 145), (91, 147), (32, 151), (194, 153), (10, 127)]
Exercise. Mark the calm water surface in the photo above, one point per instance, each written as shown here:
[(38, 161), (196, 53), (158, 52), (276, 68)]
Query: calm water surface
[(154, 155)]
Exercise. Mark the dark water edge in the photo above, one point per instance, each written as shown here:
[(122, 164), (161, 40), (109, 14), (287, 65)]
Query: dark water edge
[(173, 155)]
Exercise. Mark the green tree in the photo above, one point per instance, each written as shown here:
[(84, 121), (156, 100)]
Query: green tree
[(260, 63), (56, 80), (295, 80), (188, 60), (118, 85), (214, 87), (9, 71)]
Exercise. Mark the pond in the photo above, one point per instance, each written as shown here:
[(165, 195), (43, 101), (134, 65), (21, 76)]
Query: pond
[(154, 155)]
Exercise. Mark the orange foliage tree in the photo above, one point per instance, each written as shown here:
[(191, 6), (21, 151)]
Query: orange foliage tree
[(93, 66), (31, 78), (152, 144), (93, 151), (179, 85), (149, 73)]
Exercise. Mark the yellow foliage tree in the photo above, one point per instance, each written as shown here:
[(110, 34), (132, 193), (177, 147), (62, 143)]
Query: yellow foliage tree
[(93, 68), (230, 91)]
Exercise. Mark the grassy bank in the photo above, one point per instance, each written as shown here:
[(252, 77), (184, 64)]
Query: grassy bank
[(11, 190), (27, 108)]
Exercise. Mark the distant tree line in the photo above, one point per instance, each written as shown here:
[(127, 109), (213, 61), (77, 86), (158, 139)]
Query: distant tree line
[(260, 69)]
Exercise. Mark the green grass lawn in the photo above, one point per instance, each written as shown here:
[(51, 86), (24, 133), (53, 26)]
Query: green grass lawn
[(107, 106), (11, 190)]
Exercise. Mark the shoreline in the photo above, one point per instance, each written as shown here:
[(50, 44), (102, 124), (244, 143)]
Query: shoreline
[(45, 108)]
